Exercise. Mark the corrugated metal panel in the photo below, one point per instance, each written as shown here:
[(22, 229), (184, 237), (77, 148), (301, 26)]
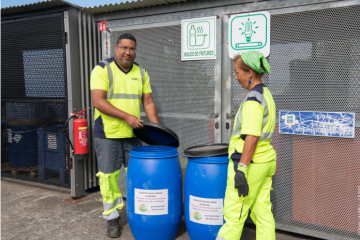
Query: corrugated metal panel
[(36, 7), (128, 5), (89, 57)]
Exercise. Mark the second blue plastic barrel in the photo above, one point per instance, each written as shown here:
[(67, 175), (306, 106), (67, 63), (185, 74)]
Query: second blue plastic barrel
[(154, 192), (205, 185)]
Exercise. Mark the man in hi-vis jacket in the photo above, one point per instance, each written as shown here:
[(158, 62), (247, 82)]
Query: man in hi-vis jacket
[(118, 86)]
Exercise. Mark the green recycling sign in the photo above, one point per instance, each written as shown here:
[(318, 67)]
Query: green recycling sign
[(198, 38), (249, 31)]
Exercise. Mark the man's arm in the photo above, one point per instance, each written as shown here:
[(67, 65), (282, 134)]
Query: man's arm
[(105, 107), (150, 108)]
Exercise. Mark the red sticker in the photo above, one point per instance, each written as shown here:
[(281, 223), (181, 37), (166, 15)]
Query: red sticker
[(102, 26)]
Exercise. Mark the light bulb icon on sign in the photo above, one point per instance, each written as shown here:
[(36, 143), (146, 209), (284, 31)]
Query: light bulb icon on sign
[(248, 31)]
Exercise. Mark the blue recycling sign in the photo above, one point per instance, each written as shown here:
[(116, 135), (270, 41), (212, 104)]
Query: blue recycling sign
[(327, 124)]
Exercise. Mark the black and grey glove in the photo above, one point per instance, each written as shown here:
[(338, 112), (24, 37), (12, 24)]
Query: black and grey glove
[(241, 181)]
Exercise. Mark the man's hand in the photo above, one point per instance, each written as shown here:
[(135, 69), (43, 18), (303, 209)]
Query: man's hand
[(133, 121), (241, 181)]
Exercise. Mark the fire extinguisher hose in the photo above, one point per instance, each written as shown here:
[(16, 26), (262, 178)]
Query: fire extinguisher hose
[(66, 132)]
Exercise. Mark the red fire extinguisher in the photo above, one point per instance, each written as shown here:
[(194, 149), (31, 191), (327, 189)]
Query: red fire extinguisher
[(81, 146)]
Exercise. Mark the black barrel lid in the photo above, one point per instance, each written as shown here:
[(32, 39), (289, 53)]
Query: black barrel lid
[(156, 134), (207, 150)]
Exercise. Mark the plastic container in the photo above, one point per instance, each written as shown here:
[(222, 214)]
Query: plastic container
[(154, 192), (204, 187), (52, 153), (23, 120)]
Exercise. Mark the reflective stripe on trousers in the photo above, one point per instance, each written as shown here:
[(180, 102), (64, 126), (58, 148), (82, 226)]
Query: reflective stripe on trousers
[(111, 209)]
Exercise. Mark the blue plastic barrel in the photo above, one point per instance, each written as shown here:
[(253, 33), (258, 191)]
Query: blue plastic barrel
[(154, 192), (205, 185)]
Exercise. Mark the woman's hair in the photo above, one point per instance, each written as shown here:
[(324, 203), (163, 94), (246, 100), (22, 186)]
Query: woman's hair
[(238, 60)]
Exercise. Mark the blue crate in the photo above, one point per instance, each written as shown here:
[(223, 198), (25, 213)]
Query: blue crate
[(52, 153), (22, 122)]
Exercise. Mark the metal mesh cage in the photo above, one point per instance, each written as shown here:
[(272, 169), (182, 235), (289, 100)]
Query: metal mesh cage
[(315, 67), (33, 96)]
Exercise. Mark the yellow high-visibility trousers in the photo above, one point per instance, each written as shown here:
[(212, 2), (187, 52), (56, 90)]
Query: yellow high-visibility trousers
[(236, 209), (112, 199)]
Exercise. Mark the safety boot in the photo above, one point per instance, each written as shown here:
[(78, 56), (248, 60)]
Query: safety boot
[(113, 229)]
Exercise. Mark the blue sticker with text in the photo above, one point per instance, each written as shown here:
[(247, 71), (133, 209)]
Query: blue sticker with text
[(327, 124)]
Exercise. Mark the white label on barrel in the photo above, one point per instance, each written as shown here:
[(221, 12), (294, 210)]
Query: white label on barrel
[(207, 211), (151, 202)]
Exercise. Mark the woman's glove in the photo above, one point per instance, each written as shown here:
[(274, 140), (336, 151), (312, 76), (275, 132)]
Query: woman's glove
[(240, 181)]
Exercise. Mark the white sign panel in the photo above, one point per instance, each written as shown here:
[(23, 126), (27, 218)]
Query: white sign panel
[(249, 31), (207, 211), (198, 39), (151, 202)]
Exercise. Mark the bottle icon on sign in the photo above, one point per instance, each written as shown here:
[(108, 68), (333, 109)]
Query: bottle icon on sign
[(192, 38)]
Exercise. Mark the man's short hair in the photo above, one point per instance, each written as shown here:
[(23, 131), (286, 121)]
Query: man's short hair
[(126, 36)]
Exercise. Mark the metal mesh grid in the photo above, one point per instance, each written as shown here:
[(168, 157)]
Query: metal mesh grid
[(33, 59), (44, 73), (33, 96), (312, 189), (317, 64), (315, 67), (178, 87)]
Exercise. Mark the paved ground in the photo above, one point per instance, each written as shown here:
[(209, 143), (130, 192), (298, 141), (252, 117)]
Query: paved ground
[(37, 211)]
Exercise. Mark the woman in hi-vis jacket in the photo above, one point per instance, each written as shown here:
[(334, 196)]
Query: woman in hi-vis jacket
[(252, 158)]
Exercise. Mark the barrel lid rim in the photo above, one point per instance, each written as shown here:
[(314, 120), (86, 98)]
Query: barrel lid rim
[(208, 153), (142, 135), (169, 152)]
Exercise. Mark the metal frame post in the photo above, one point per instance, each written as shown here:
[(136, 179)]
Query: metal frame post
[(226, 82), (74, 88), (218, 82)]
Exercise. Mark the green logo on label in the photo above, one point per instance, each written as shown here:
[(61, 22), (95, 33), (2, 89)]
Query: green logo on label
[(198, 35), (135, 79), (197, 215), (143, 207)]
